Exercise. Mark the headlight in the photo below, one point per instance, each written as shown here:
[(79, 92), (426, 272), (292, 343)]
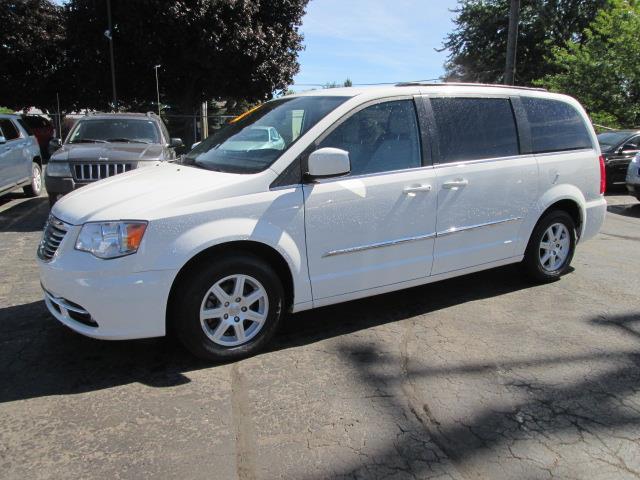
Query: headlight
[(58, 169), (111, 239)]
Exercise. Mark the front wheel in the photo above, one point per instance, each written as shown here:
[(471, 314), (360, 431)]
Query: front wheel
[(551, 247), (35, 188), (227, 309)]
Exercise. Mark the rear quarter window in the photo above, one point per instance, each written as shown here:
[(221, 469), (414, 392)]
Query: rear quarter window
[(555, 126)]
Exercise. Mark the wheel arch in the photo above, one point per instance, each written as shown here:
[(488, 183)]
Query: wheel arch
[(266, 252), (572, 207)]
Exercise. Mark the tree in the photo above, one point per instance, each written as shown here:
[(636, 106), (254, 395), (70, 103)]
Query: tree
[(347, 83), (603, 71), (478, 44), (30, 38), (208, 49)]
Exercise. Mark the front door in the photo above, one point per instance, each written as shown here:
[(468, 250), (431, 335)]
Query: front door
[(375, 226), (485, 187), (11, 157)]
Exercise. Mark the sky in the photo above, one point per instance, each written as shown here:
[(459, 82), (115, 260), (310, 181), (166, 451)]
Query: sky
[(373, 41)]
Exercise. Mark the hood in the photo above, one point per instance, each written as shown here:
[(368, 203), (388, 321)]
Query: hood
[(111, 152), (149, 193)]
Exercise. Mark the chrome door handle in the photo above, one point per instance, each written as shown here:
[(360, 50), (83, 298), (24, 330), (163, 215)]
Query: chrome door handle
[(456, 184), (417, 189)]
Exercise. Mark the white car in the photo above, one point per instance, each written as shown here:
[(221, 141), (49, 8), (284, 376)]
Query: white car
[(376, 190)]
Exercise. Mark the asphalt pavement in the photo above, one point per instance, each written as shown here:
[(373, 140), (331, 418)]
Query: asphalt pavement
[(479, 377)]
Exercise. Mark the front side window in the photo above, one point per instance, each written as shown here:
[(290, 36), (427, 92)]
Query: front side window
[(115, 130), (475, 128), (380, 138), (253, 141), (555, 126), (9, 130)]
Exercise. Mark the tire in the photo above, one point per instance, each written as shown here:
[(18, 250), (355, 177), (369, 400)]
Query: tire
[(35, 189), (555, 266), (196, 294)]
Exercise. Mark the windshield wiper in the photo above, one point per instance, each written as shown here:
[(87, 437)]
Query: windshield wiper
[(88, 140), (127, 140)]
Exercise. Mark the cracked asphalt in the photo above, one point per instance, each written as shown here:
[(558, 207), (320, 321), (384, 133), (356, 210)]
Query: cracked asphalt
[(479, 377)]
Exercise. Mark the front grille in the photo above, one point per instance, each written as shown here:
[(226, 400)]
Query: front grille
[(54, 232), (90, 172)]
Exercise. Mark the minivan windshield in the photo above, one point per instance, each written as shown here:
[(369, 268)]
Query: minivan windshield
[(115, 130), (608, 140), (253, 141)]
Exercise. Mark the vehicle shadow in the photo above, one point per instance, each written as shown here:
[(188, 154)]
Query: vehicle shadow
[(627, 210), (27, 216), (41, 357)]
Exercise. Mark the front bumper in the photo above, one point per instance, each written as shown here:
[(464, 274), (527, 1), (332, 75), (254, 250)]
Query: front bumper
[(60, 185), (104, 298)]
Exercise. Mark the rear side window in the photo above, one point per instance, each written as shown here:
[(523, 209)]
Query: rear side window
[(8, 129), (26, 127), (555, 126), (475, 128)]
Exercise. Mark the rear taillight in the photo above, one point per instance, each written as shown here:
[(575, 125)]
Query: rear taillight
[(603, 176)]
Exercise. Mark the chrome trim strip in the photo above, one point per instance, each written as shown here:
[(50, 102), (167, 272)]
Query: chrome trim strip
[(62, 304), (399, 241), (379, 245), (453, 230)]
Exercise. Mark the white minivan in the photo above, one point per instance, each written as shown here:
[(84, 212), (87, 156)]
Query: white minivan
[(370, 191)]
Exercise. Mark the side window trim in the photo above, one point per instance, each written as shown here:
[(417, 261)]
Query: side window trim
[(522, 125), (522, 134)]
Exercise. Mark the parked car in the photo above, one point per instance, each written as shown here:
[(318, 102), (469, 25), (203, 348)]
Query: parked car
[(107, 144), (255, 138), (633, 177), (618, 148), (376, 190), (20, 161), (43, 130)]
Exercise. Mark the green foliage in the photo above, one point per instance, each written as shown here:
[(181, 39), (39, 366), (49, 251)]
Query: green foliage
[(31, 32), (603, 71), (479, 42), (5, 110), (208, 49)]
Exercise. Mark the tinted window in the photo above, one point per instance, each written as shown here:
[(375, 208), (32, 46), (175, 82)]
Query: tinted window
[(475, 128), (555, 126), (26, 127), (9, 130), (243, 146), (382, 137), (115, 130)]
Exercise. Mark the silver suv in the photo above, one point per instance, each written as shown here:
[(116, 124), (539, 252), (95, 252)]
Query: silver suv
[(20, 161), (103, 145)]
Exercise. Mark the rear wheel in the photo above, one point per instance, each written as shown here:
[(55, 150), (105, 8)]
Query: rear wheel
[(228, 309), (35, 189), (551, 247)]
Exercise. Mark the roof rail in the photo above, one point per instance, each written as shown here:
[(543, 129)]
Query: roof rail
[(457, 84)]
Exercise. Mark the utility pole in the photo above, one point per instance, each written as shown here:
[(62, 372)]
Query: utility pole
[(109, 35), (157, 87), (512, 43)]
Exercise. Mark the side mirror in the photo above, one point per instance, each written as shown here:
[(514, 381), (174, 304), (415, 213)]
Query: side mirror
[(328, 162), (2, 140), (176, 143), (629, 148), (54, 144), (195, 145)]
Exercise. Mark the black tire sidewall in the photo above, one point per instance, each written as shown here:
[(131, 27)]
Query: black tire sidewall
[(532, 258), (185, 314)]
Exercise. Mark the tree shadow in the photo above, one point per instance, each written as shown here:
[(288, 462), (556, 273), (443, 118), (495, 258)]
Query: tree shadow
[(591, 407), (42, 357), (27, 216)]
